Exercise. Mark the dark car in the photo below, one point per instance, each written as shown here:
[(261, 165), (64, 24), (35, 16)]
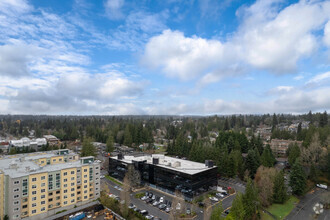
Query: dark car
[(224, 193), (150, 195), (148, 200), (144, 212), (162, 206), (201, 204), (227, 211)]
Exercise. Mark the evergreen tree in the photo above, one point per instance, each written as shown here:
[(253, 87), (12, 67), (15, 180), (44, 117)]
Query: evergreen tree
[(323, 119), (293, 153), (310, 117), (88, 148), (237, 210), (275, 122), (297, 178), (267, 158), (280, 190), (110, 144), (127, 137), (313, 173), (217, 212), (226, 126), (252, 163), (251, 201)]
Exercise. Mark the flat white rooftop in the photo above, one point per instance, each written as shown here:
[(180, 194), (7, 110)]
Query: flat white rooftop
[(180, 165)]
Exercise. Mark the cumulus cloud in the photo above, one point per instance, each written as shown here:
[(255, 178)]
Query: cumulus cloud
[(327, 34), (269, 38), (319, 79), (180, 56), (114, 8)]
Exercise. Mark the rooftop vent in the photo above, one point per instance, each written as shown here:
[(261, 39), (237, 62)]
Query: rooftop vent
[(155, 160), (209, 163), (120, 156)]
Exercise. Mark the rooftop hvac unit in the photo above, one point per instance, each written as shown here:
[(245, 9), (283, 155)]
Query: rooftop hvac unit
[(155, 160), (209, 163), (176, 164), (120, 156)]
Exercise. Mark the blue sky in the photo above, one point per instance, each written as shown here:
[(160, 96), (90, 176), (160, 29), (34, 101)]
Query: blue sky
[(199, 57)]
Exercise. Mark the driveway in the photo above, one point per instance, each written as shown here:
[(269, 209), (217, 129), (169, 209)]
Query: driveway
[(304, 209)]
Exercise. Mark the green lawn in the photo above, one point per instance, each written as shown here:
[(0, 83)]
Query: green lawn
[(282, 210), (113, 180)]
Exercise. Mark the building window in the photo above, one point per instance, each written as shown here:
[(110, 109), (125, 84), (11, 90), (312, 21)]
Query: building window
[(85, 197), (42, 196), (78, 171), (34, 198), (78, 182), (16, 196), (43, 184), (34, 204), (85, 191), (16, 190), (65, 202), (65, 180), (57, 204), (72, 172), (25, 200), (85, 176), (72, 189), (34, 192), (16, 202), (43, 190), (65, 191), (34, 179), (85, 186), (43, 177), (85, 170), (65, 173), (65, 197), (72, 201), (65, 185), (58, 198), (34, 211), (72, 194), (24, 206), (50, 206), (72, 184), (96, 167), (34, 186), (16, 182), (60, 159), (43, 209), (54, 160), (43, 202), (79, 198), (50, 194), (49, 200), (58, 192), (24, 213), (72, 178), (85, 181)]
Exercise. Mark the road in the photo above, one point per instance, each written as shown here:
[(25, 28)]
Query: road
[(304, 209)]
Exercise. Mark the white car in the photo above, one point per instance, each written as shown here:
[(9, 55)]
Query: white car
[(161, 200), (214, 199), (102, 176), (323, 186), (144, 198), (220, 195), (178, 206)]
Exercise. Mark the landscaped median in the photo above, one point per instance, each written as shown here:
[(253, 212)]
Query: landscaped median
[(280, 211), (113, 180)]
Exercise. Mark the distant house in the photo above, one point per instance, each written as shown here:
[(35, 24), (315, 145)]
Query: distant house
[(27, 142), (4, 146), (51, 139), (279, 147)]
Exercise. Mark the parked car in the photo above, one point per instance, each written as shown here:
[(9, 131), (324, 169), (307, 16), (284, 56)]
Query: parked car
[(150, 195), (147, 200), (131, 206), (201, 204), (162, 206), (146, 193), (144, 198), (220, 195), (168, 209), (161, 200), (188, 211), (136, 209), (178, 206), (227, 211), (102, 176), (156, 203), (150, 217), (154, 197), (144, 212), (224, 193), (323, 186), (214, 199)]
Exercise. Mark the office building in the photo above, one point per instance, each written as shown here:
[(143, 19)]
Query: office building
[(38, 185), (167, 173)]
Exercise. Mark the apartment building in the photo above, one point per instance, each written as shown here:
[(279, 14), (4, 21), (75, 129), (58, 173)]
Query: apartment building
[(38, 185)]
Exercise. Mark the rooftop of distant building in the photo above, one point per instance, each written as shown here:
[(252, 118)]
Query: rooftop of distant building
[(180, 165), (20, 165)]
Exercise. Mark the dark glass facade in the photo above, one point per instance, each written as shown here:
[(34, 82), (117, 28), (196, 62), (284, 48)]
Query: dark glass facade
[(166, 178)]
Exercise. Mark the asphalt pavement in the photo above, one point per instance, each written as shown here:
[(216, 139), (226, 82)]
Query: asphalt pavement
[(304, 209)]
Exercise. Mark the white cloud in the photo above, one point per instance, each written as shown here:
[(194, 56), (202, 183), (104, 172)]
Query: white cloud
[(327, 34), (114, 9), (320, 78), (15, 6), (281, 89), (180, 56), (299, 77), (268, 38)]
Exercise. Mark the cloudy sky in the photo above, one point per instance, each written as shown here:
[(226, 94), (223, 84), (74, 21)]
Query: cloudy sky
[(200, 57)]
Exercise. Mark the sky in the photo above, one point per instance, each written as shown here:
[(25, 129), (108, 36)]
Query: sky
[(168, 57)]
